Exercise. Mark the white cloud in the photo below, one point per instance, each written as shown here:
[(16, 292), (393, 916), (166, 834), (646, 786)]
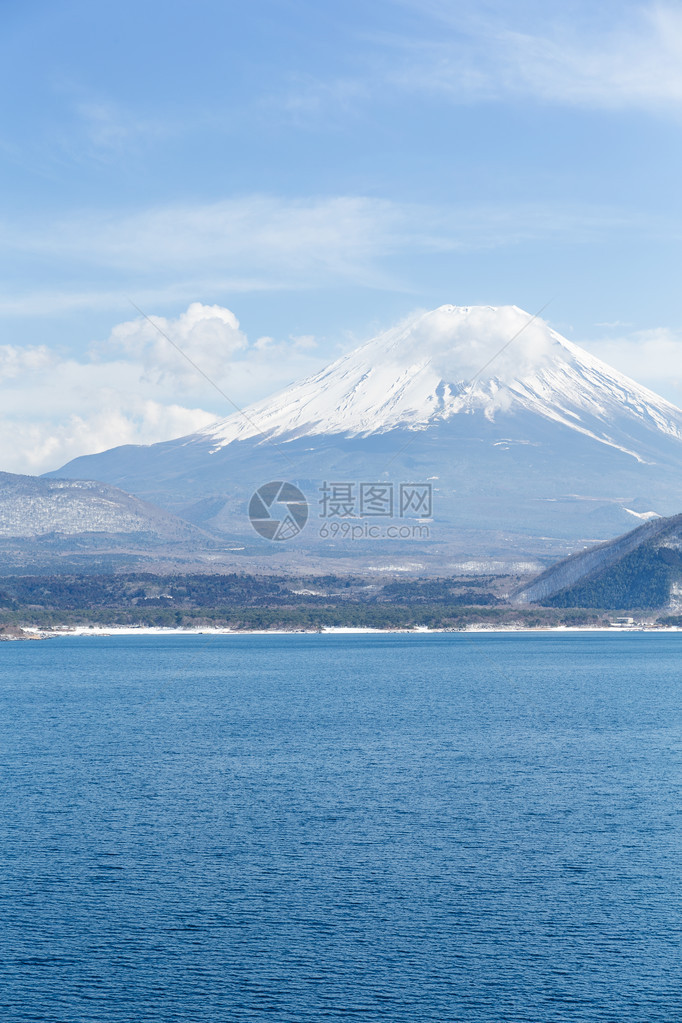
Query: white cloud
[(460, 349), (652, 357), (15, 361), (626, 57), (135, 387), (254, 243), (639, 64), (111, 130), (174, 253), (207, 342), (37, 446), (204, 336), (60, 408), (286, 237)]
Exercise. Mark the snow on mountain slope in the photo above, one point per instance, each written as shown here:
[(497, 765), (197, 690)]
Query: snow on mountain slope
[(458, 360)]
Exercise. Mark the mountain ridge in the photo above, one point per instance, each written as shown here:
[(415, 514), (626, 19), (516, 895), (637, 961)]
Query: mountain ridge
[(542, 451), (640, 570)]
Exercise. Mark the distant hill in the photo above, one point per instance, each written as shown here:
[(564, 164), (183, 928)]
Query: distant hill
[(49, 522), (641, 570)]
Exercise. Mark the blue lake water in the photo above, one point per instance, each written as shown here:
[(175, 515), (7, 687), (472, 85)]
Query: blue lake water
[(291, 828)]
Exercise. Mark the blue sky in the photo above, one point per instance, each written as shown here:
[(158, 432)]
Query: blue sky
[(313, 173)]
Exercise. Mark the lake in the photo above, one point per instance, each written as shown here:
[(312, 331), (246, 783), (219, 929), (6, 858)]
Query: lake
[(447, 827)]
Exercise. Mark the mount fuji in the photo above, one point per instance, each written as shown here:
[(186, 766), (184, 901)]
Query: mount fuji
[(532, 448)]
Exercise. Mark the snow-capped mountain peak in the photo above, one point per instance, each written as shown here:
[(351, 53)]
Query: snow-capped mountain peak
[(451, 361)]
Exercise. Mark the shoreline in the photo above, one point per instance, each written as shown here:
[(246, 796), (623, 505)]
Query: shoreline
[(103, 631)]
